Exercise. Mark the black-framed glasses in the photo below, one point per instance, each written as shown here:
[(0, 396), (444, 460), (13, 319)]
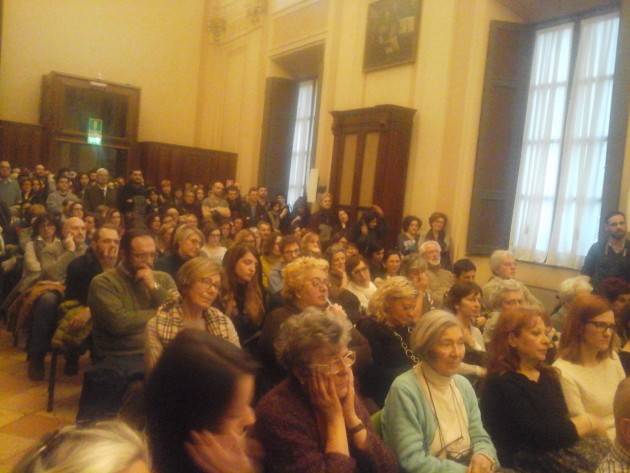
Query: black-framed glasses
[(603, 326)]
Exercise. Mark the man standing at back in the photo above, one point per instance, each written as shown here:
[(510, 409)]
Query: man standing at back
[(9, 189), (100, 193), (611, 256), (132, 197)]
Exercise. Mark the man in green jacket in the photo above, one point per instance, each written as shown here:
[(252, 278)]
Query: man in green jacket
[(121, 301)]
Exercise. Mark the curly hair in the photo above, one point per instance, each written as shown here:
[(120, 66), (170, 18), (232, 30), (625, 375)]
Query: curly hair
[(296, 273), (502, 357), (397, 287), (304, 333)]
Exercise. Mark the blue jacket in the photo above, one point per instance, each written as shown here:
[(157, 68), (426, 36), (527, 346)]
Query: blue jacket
[(408, 426)]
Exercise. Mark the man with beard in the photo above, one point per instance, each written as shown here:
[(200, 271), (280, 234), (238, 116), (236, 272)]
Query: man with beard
[(132, 197), (101, 256), (440, 279), (611, 256)]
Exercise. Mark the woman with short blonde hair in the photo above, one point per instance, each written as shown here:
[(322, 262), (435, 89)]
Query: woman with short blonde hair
[(297, 273), (199, 282), (387, 330)]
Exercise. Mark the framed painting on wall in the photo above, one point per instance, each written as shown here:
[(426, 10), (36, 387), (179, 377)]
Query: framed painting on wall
[(392, 33)]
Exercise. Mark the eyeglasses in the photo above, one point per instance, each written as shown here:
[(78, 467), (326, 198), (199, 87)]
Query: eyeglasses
[(334, 367), (320, 283), (603, 326), (210, 283)]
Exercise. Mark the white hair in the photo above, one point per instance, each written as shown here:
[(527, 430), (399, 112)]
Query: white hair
[(102, 171), (569, 288), (496, 259), (506, 285), (425, 246), (106, 447)]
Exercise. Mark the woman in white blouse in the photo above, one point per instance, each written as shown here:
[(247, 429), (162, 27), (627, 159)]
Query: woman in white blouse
[(590, 370)]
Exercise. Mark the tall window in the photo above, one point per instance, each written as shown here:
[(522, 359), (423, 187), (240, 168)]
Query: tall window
[(560, 182), (302, 139)]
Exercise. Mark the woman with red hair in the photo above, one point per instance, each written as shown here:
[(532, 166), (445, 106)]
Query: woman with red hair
[(590, 370), (523, 407)]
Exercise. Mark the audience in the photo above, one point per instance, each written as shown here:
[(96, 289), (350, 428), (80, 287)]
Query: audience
[(198, 405), (569, 289), (503, 267), (387, 329), (243, 296), (609, 257), (464, 300), (187, 243), (415, 268), (314, 421), (589, 368), (121, 302), (437, 232), (279, 308), (409, 238), (523, 406), (199, 283), (431, 419), (440, 279)]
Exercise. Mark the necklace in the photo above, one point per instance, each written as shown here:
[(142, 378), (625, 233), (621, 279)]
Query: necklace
[(443, 445), (411, 356)]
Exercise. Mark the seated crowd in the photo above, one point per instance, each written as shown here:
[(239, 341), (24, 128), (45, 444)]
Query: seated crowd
[(242, 336)]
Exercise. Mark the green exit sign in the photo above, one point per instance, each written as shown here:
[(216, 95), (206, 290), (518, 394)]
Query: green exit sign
[(95, 131)]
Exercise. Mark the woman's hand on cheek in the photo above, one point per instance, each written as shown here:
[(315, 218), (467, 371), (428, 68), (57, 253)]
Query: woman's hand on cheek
[(220, 453), (349, 412), (323, 395)]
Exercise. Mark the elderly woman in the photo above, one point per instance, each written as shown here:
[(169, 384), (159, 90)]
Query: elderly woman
[(464, 300), (199, 283), (314, 422), (569, 288), (431, 418), (387, 329), (187, 243), (415, 268), (523, 406), (503, 267), (589, 368), (508, 295), (305, 284), (106, 447), (310, 245)]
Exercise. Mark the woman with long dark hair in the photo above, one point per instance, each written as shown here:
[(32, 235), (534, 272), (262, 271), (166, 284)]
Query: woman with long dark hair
[(198, 400), (243, 298)]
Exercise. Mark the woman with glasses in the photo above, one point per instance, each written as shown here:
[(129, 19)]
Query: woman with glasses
[(314, 421), (415, 268), (523, 407), (360, 284), (431, 418), (213, 248), (590, 370), (387, 330), (199, 283)]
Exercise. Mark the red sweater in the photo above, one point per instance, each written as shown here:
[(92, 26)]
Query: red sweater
[(287, 429)]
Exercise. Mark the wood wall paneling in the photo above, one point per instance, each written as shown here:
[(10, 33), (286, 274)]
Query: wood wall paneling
[(21, 144), (183, 164)]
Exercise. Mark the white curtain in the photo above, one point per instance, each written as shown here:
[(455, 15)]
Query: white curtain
[(542, 141), (560, 183), (579, 202), (302, 140)]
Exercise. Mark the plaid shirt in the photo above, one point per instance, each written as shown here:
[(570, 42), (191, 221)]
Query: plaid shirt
[(617, 461), (169, 320)]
